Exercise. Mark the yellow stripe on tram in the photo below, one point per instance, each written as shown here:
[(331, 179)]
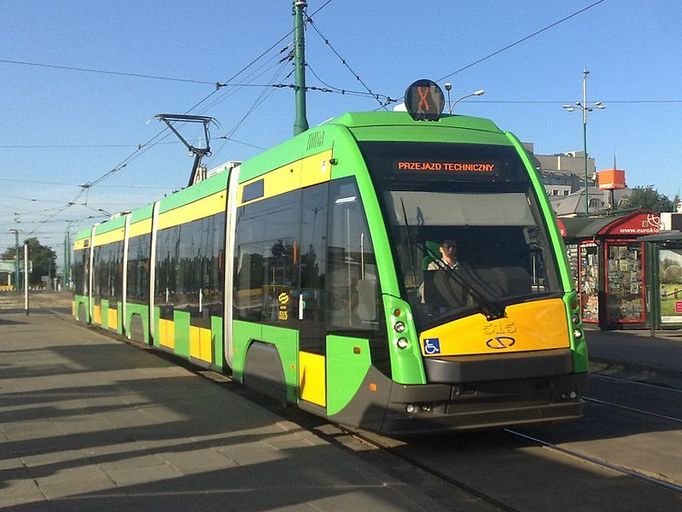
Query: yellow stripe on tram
[(142, 227), (115, 235), (205, 207), (293, 176)]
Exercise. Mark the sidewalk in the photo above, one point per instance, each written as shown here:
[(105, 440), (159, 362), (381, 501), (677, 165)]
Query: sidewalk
[(91, 423)]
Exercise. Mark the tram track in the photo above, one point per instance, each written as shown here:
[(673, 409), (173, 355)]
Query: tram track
[(632, 409), (408, 456), (490, 495), (653, 385), (599, 462), (487, 491), (449, 468), (377, 441), (642, 389)]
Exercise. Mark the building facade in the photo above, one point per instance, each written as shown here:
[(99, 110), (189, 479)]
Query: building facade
[(563, 175)]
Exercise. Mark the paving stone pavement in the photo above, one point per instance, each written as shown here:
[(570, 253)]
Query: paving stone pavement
[(88, 422)]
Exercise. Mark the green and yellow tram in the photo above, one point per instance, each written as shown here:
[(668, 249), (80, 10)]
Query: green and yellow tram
[(312, 273)]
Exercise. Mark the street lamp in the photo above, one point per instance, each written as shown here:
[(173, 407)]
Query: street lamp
[(585, 107), (448, 86), (16, 258)]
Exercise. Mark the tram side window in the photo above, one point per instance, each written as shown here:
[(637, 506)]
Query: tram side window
[(138, 269), (98, 271), (266, 270), (108, 263), (167, 241), (352, 278), (248, 299), (79, 273), (198, 289)]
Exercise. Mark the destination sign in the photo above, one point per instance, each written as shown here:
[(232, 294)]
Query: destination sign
[(426, 166)]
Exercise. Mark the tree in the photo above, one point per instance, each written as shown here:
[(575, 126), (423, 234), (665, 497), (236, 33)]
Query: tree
[(648, 197), (43, 258)]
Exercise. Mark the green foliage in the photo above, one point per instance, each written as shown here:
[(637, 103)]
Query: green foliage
[(43, 259), (648, 197)]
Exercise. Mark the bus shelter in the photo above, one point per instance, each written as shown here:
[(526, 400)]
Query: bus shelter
[(609, 267), (664, 266)]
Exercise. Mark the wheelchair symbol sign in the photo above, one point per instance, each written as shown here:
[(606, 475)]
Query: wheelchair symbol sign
[(431, 346)]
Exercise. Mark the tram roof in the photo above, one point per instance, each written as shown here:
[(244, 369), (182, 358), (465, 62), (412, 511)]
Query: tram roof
[(365, 126), (393, 119)]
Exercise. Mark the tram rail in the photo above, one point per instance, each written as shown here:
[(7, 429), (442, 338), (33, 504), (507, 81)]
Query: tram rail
[(611, 378), (599, 462)]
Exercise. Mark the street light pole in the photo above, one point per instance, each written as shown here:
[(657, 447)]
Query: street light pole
[(26, 276), (585, 107), (16, 258), (479, 92)]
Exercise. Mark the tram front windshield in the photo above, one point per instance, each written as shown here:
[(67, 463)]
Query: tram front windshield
[(488, 211)]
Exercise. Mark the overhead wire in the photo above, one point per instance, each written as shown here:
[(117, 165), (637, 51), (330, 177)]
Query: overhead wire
[(522, 40), (142, 148), (84, 188), (264, 94), (104, 72), (377, 97), (76, 185), (337, 90)]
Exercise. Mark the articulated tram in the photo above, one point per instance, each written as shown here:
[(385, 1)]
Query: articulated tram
[(312, 273)]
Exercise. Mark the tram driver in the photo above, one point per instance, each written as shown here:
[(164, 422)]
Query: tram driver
[(440, 290)]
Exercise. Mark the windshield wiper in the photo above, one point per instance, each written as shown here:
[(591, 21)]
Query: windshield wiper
[(491, 309), (409, 244)]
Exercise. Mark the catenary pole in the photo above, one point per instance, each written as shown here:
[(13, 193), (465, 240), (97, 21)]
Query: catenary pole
[(301, 122)]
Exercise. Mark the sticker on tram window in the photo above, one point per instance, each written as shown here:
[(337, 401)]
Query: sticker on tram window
[(283, 299), (425, 166)]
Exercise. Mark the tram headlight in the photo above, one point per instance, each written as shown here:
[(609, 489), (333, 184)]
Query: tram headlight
[(402, 343), (576, 319), (399, 327), (577, 333)]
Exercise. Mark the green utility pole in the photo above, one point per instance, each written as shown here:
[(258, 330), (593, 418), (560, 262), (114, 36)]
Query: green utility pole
[(301, 122), (67, 257)]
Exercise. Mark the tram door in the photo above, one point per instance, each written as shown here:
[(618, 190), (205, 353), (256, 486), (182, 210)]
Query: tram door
[(339, 294), (312, 296)]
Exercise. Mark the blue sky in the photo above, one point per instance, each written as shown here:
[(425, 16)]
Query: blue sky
[(68, 127)]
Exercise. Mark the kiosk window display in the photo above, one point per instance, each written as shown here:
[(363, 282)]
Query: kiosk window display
[(611, 277), (588, 269), (625, 293)]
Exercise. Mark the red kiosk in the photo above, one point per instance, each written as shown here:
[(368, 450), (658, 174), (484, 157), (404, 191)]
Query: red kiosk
[(609, 264)]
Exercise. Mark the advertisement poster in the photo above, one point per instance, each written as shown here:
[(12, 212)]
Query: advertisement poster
[(670, 264), (589, 282), (625, 292)]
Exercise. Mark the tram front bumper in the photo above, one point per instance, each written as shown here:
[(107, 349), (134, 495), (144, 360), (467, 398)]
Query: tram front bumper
[(483, 405)]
